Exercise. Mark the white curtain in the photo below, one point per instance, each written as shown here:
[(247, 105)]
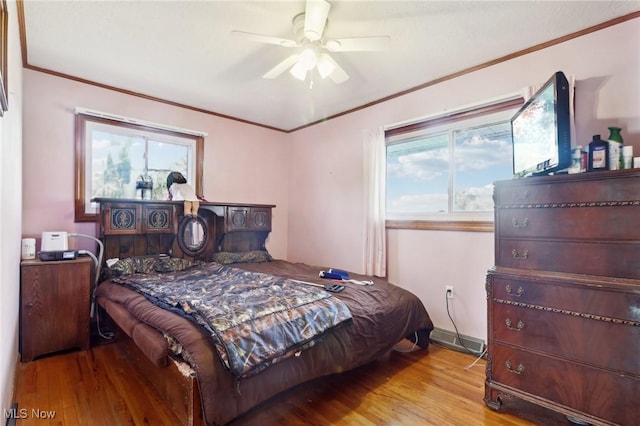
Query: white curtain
[(529, 91), (374, 178)]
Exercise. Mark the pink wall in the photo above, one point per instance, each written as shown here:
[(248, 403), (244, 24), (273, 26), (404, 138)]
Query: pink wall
[(243, 163), (315, 175), (326, 203)]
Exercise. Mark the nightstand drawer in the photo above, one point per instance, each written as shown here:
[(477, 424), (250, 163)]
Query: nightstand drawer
[(591, 390)]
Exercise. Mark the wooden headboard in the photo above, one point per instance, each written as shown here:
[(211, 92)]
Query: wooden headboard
[(130, 227)]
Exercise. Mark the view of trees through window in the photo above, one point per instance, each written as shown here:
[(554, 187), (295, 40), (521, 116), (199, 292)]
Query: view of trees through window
[(118, 158), (120, 161)]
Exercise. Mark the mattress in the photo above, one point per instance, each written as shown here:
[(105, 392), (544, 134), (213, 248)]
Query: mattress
[(382, 315)]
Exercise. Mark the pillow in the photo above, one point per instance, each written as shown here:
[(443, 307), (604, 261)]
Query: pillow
[(147, 265), (257, 256)]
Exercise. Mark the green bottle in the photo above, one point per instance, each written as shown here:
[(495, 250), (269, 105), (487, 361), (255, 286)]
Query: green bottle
[(616, 161)]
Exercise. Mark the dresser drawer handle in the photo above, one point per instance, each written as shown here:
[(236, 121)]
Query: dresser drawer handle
[(30, 305), (516, 255), (510, 292), (519, 326), (518, 370), (517, 224)]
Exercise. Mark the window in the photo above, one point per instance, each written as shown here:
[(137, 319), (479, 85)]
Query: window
[(113, 156), (444, 168)]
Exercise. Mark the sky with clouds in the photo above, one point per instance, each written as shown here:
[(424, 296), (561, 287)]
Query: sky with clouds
[(418, 171)]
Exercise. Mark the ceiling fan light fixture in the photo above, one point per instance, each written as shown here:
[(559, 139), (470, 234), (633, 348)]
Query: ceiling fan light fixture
[(298, 71), (308, 59), (325, 67)]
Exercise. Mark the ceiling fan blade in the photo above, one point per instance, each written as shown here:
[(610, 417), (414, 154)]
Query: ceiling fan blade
[(357, 44), (281, 67), (338, 75), (316, 13), (285, 42)]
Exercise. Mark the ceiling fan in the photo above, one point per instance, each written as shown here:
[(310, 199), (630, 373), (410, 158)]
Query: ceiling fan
[(308, 28)]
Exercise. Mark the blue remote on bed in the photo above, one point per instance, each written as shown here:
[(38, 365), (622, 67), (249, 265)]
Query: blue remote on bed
[(343, 274), (330, 275)]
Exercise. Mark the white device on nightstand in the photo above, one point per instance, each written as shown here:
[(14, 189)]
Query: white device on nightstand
[(54, 241), (55, 246)]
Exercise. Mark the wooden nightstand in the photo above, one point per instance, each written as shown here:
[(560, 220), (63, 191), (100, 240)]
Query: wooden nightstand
[(54, 306)]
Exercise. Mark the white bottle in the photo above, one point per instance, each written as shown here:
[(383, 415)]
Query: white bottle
[(576, 160), (615, 152), (627, 156)]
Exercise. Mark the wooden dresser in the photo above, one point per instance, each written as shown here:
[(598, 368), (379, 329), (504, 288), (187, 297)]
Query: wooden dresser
[(564, 295)]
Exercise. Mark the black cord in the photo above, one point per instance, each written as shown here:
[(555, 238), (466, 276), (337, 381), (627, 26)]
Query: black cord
[(456, 328)]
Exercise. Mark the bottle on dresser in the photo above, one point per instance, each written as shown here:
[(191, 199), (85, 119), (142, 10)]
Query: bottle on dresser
[(598, 154), (615, 149)]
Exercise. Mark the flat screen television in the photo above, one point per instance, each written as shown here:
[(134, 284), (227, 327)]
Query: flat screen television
[(540, 130)]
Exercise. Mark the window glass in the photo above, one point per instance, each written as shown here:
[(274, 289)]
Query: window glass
[(418, 175), (482, 155), (445, 169), (117, 157)]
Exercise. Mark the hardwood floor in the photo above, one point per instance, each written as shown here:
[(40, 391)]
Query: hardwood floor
[(426, 387)]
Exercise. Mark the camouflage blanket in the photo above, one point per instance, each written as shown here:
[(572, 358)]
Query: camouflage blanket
[(253, 319)]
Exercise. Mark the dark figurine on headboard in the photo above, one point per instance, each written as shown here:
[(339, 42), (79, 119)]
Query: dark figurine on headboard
[(179, 189)]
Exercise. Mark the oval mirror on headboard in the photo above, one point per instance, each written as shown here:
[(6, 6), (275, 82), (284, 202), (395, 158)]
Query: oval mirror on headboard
[(192, 235)]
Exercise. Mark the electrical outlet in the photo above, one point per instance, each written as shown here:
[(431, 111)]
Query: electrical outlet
[(449, 291)]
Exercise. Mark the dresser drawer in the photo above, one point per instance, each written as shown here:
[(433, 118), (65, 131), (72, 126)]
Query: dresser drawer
[(566, 294), (590, 390), (581, 223), (563, 190), (569, 334), (613, 259)]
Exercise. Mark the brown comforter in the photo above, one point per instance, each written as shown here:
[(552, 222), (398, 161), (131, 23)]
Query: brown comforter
[(382, 315)]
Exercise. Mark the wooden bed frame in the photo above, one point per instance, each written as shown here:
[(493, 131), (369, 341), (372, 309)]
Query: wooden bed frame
[(176, 384), (140, 227), (136, 227)]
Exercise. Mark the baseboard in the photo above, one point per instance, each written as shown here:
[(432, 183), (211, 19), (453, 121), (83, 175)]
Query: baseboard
[(460, 343)]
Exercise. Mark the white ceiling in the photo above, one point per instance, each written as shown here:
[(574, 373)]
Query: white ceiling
[(182, 51)]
